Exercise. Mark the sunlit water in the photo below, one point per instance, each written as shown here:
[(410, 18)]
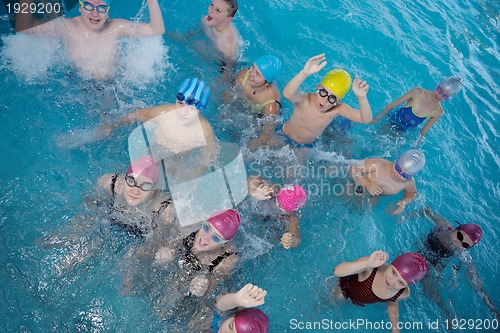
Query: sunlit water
[(51, 158)]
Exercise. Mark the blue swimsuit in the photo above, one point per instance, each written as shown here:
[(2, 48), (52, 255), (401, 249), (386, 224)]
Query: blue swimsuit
[(288, 140), (405, 118)]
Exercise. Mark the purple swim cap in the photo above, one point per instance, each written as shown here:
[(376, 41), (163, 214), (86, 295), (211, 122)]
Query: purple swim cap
[(145, 166), (411, 266), (226, 222), (251, 320), (472, 230), (291, 197)]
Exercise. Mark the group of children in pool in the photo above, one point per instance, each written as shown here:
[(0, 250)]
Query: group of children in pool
[(207, 255)]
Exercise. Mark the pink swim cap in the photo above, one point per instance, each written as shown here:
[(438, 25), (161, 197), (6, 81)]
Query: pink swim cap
[(291, 197), (251, 320), (411, 266), (472, 230), (226, 222), (145, 166)]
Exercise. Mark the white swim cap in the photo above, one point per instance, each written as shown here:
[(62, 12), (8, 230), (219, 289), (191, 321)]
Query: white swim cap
[(411, 161), (452, 85)]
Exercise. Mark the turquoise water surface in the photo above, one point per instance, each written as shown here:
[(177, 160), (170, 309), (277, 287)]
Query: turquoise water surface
[(50, 160)]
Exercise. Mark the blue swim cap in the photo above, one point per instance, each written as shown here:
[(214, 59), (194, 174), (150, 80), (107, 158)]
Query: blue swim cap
[(269, 66), (194, 92)]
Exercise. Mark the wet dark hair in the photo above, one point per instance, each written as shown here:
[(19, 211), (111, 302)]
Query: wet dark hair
[(232, 7)]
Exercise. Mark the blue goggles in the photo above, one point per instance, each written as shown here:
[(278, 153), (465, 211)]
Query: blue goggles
[(101, 9), (208, 229), (400, 171), (190, 101)]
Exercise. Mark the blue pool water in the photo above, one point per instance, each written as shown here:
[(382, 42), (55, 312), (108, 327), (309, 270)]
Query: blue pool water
[(50, 162)]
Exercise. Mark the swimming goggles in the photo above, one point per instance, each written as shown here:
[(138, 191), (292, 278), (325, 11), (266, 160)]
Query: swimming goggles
[(442, 93), (460, 237), (208, 229), (332, 99), (400, 171), (146, 186), (101, 9), (190, 101)]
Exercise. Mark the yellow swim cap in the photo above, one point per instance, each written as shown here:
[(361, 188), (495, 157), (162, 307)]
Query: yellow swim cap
[(338, 81)]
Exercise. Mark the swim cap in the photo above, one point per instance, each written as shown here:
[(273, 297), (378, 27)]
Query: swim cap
[(452, 84), (472, 230), (145, 166), (338, 81), (226, 222), (412, 161), (291, 197), (194, 92), (269, 66), (251, 320), (411, 266)]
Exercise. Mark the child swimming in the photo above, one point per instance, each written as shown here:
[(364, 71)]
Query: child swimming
[(218, 26), (370, 280), (203, 258), (421, 105), (91, 38), (313, 112), (130, 203), (248, 320), (445, 243), (382, 177), (288, 200)]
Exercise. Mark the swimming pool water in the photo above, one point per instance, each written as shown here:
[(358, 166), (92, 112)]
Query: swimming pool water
[(48, 169)]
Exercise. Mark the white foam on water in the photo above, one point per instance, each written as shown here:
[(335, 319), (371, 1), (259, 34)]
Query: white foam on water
[(143, 60), (21, 54)]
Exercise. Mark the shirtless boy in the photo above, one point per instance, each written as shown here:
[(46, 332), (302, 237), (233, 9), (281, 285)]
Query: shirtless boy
[(218, 26), (313, 112), (91, 37), (382, 177)]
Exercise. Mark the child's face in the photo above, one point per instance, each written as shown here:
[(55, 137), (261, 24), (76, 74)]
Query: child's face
[(461, 242), (322, 103), (255, 78), (393, 280), (208, 238), (441, 93), (186, 114), (218, 13), (134, 195), (92, 19), (228, 326)]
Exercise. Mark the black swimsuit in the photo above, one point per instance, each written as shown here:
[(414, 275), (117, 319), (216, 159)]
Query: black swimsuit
[(435, 251), (190, 259), (144, 224)]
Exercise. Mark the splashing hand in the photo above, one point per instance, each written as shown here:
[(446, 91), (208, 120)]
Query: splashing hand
[(360, 87), (250, 296), (314, 64), (377, 259), (263, 192), (199, 285)]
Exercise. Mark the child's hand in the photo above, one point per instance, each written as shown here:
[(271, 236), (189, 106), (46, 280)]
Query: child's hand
[(289, 240), (164, 255), (401, 206), (377, 259), (314, 65), (199, 285), (360, 87), (263, 192), (373, 188), (250, 296)]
